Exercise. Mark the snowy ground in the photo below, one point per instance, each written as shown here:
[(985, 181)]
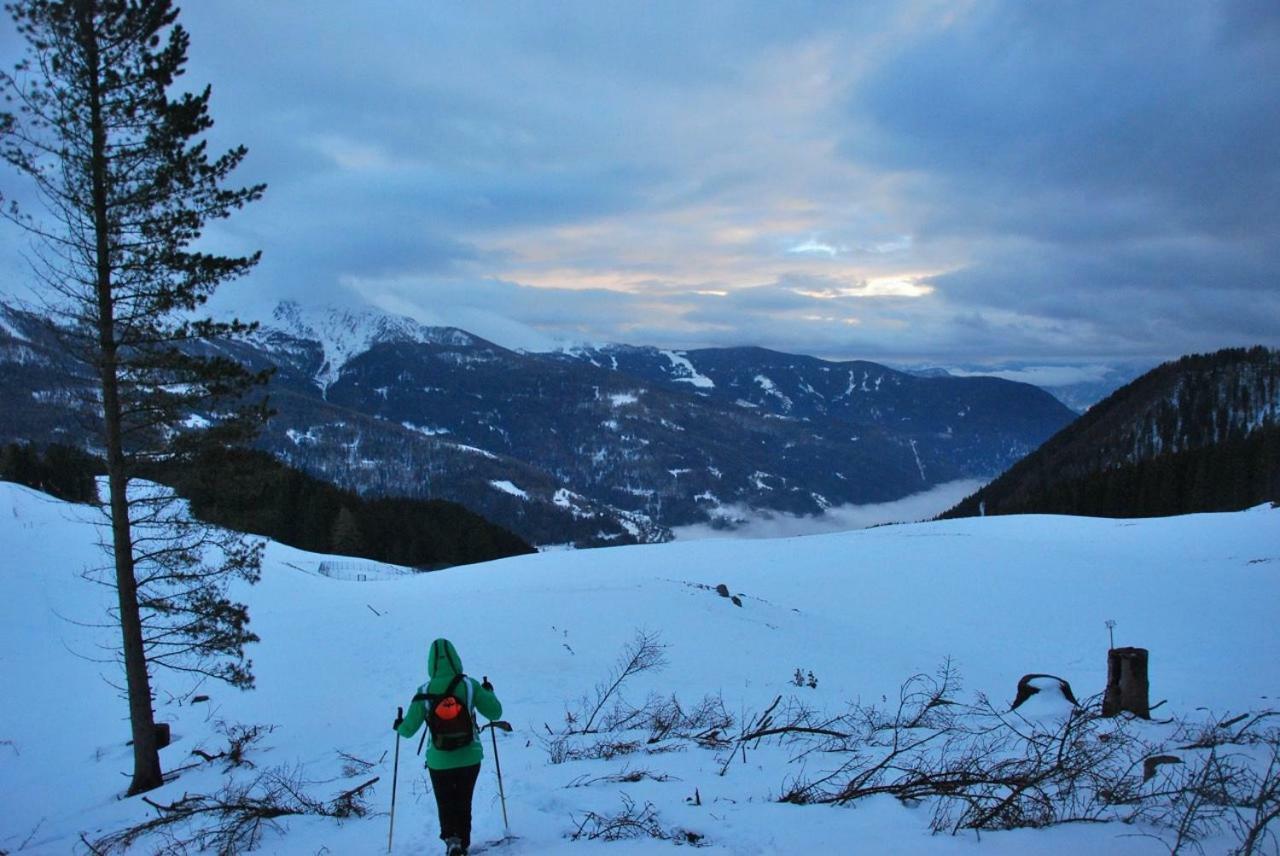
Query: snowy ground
[(861, 610)]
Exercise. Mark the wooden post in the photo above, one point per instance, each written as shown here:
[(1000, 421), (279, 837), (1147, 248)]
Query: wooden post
[(1127, 685)]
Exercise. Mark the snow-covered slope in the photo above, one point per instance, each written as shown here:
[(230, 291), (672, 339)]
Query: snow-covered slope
[(344, 333), (862, 611)]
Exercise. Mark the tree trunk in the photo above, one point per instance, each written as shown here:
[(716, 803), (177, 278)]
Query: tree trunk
[(1127, 685), (146, 755)]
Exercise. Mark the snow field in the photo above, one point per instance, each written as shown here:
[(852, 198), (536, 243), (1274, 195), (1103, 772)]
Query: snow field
[(862, 610)]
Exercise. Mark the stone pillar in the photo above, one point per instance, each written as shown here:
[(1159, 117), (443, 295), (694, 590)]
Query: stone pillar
[(1127, 685)]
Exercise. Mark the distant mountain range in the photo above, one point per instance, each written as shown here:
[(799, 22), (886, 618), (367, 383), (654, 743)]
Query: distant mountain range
[(1077, 386), (590, 446), (1198, 434)]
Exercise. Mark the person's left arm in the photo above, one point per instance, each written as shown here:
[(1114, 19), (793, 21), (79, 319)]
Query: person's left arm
[(485, 701)]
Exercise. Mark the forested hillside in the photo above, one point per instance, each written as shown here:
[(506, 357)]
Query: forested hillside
[(253, 492), (1198, 434)]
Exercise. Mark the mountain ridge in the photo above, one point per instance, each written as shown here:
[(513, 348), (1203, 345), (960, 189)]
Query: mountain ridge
[(1201, 433), (597, 445)]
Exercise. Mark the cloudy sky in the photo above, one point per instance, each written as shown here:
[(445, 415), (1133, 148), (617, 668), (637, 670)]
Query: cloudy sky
[(944, 182)]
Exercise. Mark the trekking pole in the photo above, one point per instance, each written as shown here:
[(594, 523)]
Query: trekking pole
[(497, 766), (395, 777)]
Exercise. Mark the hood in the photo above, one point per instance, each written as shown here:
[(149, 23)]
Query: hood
[(443, 663)]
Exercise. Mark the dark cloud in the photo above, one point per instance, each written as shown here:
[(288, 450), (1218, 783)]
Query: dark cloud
[(1132, 101), (1112, 169), (1072, 179)]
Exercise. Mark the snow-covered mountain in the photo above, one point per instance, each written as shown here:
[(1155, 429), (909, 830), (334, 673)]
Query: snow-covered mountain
[(980, 417), (602, 446), (342, 333), (676, 438), (854, 615)]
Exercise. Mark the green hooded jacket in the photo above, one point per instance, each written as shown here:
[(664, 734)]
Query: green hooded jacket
[(443, 665)]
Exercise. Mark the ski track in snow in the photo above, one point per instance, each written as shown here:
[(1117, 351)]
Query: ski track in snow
[(506, 486), (919, 463), (11, 330), (681, 363), (1003, 596)]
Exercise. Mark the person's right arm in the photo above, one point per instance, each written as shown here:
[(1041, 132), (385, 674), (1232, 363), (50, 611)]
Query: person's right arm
[(413, 718)]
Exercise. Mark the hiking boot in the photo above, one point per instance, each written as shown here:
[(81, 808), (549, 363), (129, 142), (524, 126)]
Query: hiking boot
[(453, 847)]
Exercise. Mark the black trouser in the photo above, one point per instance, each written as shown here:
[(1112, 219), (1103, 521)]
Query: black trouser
[(453, 790)]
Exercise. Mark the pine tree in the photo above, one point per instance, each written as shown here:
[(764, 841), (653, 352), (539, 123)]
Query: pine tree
[(128, 186), (346, 538)]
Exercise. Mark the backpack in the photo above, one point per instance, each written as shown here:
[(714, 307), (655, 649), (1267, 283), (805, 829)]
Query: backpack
[(449, 718)]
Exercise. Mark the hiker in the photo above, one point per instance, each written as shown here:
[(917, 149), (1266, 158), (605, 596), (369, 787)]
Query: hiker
[(447, 704)]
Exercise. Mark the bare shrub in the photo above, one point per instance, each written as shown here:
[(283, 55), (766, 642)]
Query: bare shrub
[(667, 719), (630, 822), (985, 768), (1253, 818), (353, 766), (1230, 781), (624, 777), (240, 739), (606, 712), (644, 653), (231, 821), (977, 765)]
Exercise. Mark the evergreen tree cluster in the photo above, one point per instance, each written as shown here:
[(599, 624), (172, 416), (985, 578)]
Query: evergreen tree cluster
[(1229, 476), (251, 491), (1198, 434), (61, 471)]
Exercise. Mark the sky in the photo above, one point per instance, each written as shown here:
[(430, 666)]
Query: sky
[(950, 183)]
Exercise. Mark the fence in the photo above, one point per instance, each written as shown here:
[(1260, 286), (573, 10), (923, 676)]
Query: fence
[(360, 571)]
